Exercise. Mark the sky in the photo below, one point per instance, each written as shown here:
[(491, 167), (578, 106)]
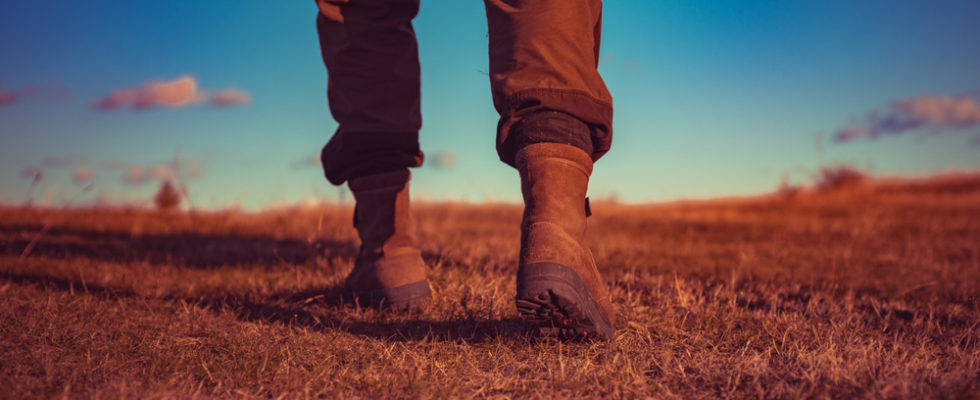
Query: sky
[(711, 98)]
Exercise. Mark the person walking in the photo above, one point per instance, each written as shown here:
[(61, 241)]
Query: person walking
[(555, 122)]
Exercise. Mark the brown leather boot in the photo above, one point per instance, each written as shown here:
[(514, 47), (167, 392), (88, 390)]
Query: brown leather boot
[(389, 271), (558, 285)]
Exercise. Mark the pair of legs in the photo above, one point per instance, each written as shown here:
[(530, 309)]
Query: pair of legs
[(555, 121)]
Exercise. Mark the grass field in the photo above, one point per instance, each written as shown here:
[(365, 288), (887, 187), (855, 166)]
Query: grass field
[(870, 291)]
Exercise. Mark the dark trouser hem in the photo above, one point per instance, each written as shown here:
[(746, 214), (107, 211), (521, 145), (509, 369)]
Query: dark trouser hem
[(557, 116), (548, 126), (348, 155)]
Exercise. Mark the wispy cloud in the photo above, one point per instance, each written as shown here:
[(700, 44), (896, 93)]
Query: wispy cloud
[(633, 66), (139, 174), (31, 172), (83, 174), (975, 141), (230, 97), (36, 171), (136, 175), (178, 93), (63, 161), (307, 162), (7, 98), (190, 168), (162, 172), (444, 159), (114, 165), (51, 91), (941, 112)]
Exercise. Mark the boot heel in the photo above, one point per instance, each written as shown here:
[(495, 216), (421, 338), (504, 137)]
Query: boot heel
[(411, 297), (555, 298)]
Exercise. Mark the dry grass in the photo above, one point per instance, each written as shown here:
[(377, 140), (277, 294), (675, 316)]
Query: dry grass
[(869, 292)]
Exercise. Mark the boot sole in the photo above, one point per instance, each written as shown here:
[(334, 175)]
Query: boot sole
[(555, 298), (413, 296)]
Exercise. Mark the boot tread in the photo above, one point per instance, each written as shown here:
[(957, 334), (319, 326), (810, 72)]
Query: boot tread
[(553, 297)]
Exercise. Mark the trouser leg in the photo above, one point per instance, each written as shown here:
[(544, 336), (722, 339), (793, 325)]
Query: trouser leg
[(371, 56), (544, 56)]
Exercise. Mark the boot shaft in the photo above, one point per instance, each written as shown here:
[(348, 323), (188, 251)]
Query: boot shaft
[(554, 183), (381, 215)]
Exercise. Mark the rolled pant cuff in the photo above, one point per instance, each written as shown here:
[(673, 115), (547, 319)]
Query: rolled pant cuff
[(347, 156), (594, 136)]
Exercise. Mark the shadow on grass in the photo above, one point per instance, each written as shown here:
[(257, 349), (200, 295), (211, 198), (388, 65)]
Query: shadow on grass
[(338, 314), (185, 249), (295, 310)]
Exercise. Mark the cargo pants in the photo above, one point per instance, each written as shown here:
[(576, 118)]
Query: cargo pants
[(543, 77)]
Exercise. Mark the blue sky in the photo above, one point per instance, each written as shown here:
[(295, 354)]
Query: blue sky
[(711, 98)]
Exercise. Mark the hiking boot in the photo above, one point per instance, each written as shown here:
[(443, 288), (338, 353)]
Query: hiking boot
[(558, 285), (389, 271)]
